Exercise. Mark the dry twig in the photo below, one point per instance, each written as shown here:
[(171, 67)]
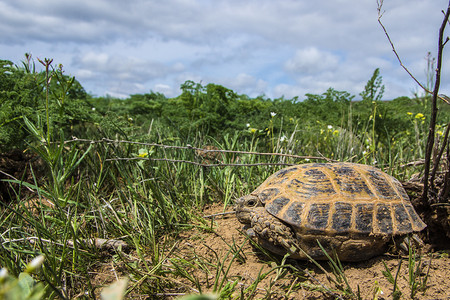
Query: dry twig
[(444, 98), (189, 147), (435, 93)]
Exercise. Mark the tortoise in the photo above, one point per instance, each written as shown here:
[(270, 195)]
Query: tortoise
[(350, 208)]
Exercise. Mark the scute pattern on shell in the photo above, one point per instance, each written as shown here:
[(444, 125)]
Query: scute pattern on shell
[(339, 198)]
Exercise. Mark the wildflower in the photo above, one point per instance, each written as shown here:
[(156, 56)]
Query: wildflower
[(306, 159), (439, 132), (248, 125), (252, 130), (93, 109), (3, 274), (409, 113), (420, 116), (130, 119), (364, 152), (330, 127), (336, 132), (35, 264), (291, 119), (283, 138), (273, 114), (143, 153)]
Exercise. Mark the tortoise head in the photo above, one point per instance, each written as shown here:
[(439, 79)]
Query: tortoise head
[(244, 207)]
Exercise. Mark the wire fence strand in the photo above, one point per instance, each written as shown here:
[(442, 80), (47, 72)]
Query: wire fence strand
[(203, 150)]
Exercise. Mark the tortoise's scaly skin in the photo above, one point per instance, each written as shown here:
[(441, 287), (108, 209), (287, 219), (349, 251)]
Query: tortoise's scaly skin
[(352, 209)]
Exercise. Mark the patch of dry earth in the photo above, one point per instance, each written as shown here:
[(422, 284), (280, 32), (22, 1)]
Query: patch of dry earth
[(214, 247)]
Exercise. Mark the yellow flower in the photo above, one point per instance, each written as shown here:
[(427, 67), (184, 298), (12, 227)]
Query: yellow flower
[(253, 130), (419, 116), (336, 132), (409, 113), (143, 153)]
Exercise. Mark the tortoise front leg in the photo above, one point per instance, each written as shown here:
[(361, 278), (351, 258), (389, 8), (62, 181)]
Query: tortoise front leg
[(271, 233)]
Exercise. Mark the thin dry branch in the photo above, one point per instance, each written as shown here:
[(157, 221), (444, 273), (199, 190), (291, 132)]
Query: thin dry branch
[(439, 155), (99, 243), (435, 93), (380, 15), (199, 164), (189, 147), (14, 178), (219, 214), (434, 109)]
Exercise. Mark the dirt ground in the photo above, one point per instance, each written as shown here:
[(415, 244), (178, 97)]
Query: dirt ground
[(208, 250), (366, 275)]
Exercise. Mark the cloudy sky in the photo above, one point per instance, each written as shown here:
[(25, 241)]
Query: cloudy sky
[(255, 47)]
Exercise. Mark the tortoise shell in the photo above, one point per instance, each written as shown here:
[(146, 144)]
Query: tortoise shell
[(339, 198)]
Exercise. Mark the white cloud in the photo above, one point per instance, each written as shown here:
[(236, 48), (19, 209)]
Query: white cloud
[(164, 89), (312, 61), (245, 84), (83, 74), (289, 91), (254, 47)]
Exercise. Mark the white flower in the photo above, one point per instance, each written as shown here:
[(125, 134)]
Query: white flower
[(93, 109), (330, 127), (248, 125), (273, 114), (283, 138), (35, 264), (3, 273), (306, 159)]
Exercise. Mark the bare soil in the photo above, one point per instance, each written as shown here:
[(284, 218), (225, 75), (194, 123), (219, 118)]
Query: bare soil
[(209, 252), (15, 165), (366, 276)]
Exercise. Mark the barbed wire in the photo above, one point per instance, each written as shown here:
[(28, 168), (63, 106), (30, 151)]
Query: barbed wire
[(202, 150), (200, 164)]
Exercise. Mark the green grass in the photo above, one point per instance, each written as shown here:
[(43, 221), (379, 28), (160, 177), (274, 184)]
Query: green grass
[(145, 203), (147, 194), (142, 202)]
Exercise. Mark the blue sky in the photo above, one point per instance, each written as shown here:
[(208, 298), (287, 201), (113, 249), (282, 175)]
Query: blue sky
[(257, 47)]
